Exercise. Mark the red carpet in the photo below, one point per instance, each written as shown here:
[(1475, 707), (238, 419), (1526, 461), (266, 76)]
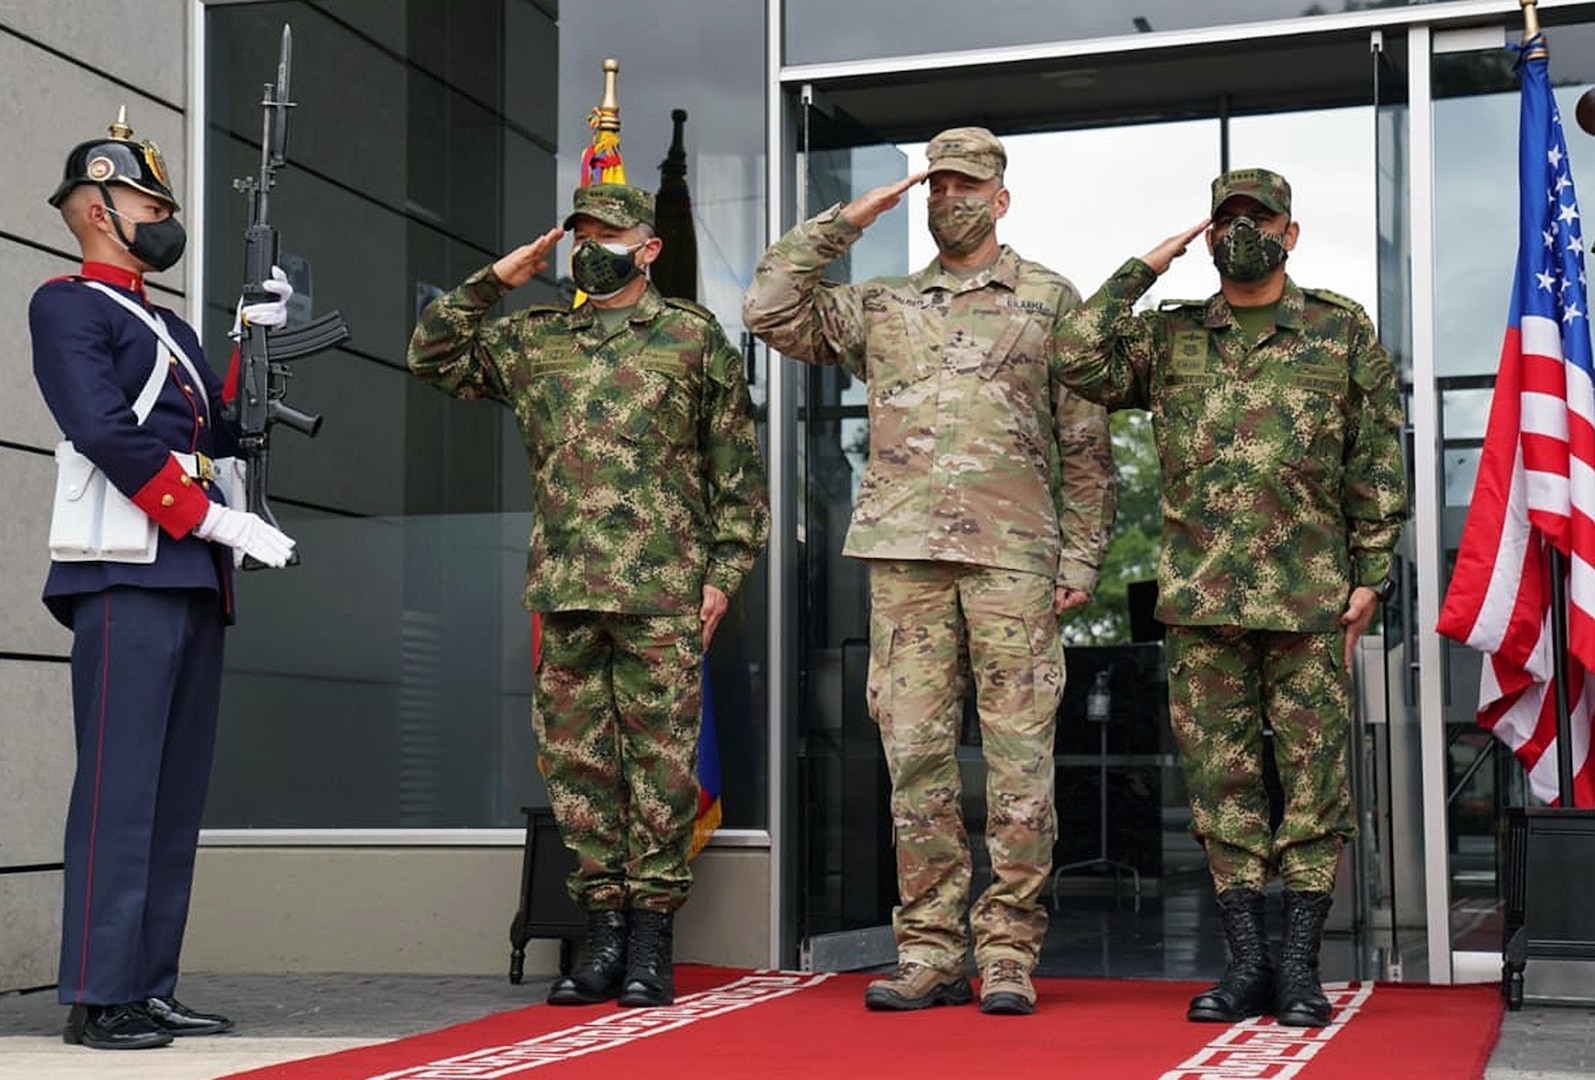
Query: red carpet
[(731, 1025)]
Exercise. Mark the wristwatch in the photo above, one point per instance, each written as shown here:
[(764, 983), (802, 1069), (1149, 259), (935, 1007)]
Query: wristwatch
[(1385, 589)]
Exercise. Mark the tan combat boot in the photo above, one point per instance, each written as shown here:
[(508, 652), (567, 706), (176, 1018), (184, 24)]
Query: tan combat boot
[(1006, 989), (917, 986)]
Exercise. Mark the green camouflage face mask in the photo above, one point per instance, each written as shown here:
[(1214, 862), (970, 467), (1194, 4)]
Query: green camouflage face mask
[(1246, 254), (602, 270), (959, 226)]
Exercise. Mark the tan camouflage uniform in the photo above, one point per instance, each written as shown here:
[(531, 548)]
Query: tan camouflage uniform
[(967, 533), (1283, 488), (647, 485)]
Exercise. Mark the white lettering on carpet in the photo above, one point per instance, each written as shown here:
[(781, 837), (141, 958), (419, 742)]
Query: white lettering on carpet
[(1262, 1049), (610, 1032)]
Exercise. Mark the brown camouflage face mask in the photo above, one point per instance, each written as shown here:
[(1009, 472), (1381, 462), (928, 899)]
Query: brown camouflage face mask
[(959, 226)]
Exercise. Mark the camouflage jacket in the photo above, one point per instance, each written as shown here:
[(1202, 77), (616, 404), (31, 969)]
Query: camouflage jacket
[(646, 474), (1283, 483), (976, 454)]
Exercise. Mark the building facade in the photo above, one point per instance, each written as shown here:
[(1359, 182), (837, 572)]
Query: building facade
[(376, 749)]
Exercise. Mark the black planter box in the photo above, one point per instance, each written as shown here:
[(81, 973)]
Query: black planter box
[(1550, 863)]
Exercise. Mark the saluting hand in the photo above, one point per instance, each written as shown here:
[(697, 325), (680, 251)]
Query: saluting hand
[(1160, 257), (863, 210), (528, 260)]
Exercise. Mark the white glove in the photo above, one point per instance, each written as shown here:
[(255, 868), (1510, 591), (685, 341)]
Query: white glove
[(266, 313), (246, 532)]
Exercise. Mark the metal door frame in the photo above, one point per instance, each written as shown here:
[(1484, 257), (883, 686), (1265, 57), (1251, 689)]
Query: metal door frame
[(1419, 24)]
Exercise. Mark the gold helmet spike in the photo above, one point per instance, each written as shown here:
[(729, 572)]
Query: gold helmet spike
[(119, 128)]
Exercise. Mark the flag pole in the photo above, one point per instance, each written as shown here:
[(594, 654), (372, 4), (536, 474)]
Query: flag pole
[(1558, 562), (1564, 716), (1531, 29)]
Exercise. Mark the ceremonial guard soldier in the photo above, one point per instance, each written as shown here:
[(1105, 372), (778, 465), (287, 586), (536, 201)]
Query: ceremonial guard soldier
[(140, 409)]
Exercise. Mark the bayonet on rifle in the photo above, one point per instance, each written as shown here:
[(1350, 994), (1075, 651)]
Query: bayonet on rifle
[(263, 354)]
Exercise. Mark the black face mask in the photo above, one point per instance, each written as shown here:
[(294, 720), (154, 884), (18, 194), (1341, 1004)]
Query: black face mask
[(1246, 253), (600, 270), (157, 244)]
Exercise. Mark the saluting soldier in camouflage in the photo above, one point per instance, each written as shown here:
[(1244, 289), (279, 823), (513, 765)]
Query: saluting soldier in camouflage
[(1278, 425), (649, 508), (985, 511)]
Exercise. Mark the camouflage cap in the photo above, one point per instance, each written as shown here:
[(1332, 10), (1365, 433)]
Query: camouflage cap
[(1268, 188), (620, 205), (972, 151)]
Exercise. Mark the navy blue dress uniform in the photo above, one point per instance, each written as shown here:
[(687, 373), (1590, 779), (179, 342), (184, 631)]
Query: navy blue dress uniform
[(91, 358), (147, 637)]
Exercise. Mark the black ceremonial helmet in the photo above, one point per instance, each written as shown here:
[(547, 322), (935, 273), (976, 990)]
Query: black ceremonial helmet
[(117, 160)]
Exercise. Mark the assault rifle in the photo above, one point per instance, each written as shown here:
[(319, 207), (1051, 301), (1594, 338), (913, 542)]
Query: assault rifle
[(264, 354)]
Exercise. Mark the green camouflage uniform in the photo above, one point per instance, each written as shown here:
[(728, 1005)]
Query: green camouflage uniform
[(988, 484), (647, 486), (1283, 488)]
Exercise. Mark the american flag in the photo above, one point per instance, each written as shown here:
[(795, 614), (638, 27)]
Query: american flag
[(1536, 484)]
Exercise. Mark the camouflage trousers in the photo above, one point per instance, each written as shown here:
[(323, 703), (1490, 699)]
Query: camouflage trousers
[(1223, 682), (932, 625), (616, 711)]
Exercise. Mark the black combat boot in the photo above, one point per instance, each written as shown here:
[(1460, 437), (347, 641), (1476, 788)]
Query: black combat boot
[(648, 972), (597, 978), (1247, 987), (1301, 1001)]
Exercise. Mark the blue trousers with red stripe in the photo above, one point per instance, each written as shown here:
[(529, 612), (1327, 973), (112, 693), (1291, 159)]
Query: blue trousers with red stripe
[(146, 685)]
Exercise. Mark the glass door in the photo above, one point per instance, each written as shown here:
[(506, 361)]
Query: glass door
[(1120, 803), (847, 871)]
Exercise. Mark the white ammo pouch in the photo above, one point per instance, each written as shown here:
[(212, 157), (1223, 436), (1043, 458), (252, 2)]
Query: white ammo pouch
[(91, 520)]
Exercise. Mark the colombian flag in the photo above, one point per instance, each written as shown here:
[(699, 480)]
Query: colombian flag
[(708, 771)]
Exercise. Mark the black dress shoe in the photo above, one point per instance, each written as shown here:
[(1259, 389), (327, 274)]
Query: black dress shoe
[(176, 1018), (113, 1027)]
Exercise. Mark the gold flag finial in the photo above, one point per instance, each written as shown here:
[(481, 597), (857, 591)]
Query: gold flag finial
[(1531, 30), (119, 128), (609, 108)]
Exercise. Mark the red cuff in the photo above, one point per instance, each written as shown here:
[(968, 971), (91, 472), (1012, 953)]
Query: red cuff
[(173, 500), (230, 387)]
